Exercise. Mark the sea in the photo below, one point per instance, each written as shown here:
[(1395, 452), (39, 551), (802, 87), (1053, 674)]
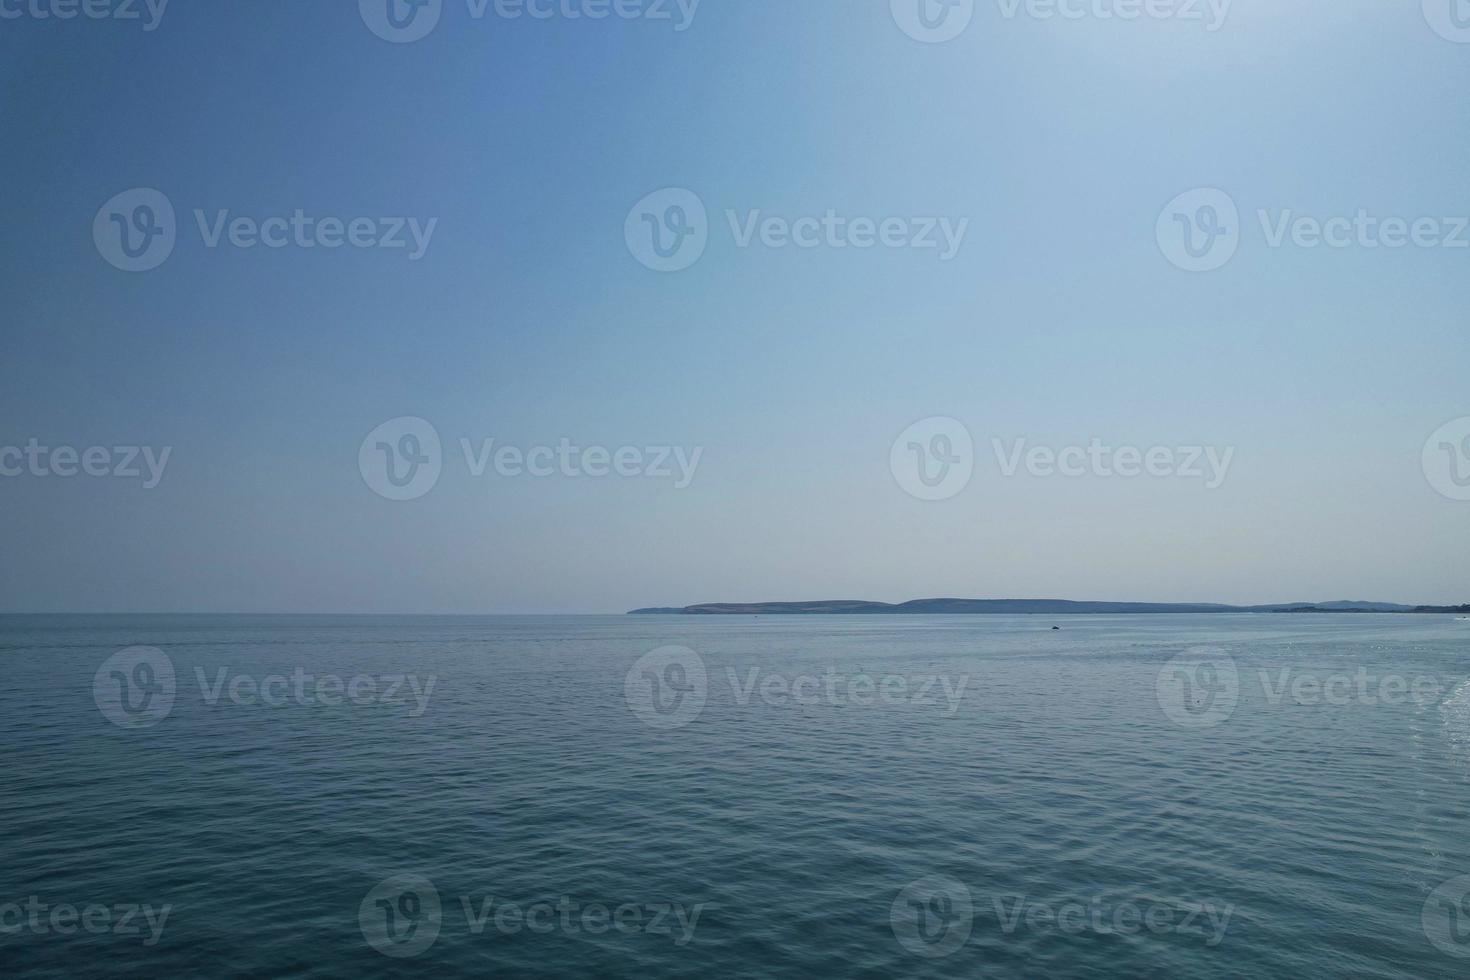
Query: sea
[(1170, 796)]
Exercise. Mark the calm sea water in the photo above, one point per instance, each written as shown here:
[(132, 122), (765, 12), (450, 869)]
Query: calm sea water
[(1153, 796)]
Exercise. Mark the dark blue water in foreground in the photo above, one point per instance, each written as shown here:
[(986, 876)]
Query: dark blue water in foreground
[(783, 797)]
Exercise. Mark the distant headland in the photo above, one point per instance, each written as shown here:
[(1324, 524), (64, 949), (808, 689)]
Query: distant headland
[(1049, 607)]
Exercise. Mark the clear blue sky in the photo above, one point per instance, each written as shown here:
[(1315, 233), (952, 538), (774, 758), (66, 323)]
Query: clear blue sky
[(528, 320)]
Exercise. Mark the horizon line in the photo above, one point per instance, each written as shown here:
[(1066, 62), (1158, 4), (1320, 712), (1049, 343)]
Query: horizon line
[(623, 612)]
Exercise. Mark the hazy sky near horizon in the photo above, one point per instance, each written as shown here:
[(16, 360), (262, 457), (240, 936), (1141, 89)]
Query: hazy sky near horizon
[(532, 317)]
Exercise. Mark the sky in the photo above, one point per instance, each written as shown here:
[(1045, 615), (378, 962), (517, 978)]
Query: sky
[(849, 417)]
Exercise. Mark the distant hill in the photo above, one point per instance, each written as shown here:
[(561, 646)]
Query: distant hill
[(1343, 606), (1050, 607)]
